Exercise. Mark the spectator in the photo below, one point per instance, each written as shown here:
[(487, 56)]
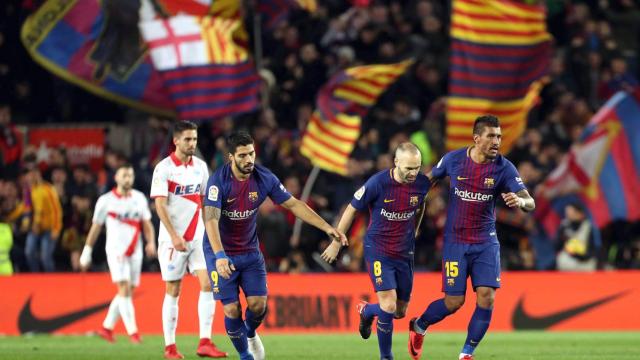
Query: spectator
[(10, 144), (46, 223), (577, 240)]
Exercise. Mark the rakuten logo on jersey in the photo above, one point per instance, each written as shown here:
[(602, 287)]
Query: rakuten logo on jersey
[(466, 195), (396, 216), (238, 215)]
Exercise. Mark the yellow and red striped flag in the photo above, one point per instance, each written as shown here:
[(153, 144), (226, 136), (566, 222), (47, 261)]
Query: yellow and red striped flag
[(500, 53), (334, 126)]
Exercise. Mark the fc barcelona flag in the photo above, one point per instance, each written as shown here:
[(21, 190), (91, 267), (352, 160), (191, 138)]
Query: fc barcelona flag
[(204, 62), (96, 45), (601, 171), (500, 53), (334, 126)]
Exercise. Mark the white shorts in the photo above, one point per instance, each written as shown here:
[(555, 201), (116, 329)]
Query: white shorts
[(173, 263), (125, 268)]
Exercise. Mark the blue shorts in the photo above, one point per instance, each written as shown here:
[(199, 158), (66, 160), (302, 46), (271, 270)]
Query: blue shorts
[(386, 274), (250, 276), (480, 261)]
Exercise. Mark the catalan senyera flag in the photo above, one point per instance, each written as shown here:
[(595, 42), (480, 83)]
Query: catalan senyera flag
[(500, 53), (334, 126), (96, 45), (204, 62), (601, 170)]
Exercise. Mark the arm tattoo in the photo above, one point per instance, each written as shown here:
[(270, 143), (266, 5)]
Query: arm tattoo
[(211, 213)]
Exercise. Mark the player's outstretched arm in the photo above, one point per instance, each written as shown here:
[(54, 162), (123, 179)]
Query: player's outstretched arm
[(211, 219), (304, 212), (161, 207), (92, 236), (330, 254), (521, 200), (150, 238)]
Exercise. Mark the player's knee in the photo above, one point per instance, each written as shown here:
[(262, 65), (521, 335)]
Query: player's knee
[(453, 303), (388, 306), (232, 311), (486, 297), (173, 288), (257, 307), (400, 313), (205, 286)]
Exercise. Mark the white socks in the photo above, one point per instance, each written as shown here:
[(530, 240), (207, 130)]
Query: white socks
[(128, 314), (113, 314), (206, 310), (170, 319)]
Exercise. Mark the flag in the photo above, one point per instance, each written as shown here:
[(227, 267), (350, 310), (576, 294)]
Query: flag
[(95, 45), (204, 62), (275, 11), (500, 53), (334, 126), (601, 170)]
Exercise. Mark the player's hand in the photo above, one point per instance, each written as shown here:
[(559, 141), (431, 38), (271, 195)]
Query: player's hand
[(330, 254), (85, 258), (225, 267), (150, 249), (179, 243), (338, 236), (512, 200)]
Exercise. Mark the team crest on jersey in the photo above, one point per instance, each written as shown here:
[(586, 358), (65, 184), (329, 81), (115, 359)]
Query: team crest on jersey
[(253, 195), (216, 290), (489, 182), (451, 282), (413, 200), (379, 281)]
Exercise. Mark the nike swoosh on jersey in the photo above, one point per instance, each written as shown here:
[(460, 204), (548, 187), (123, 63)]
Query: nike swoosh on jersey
[(28, 322), (231, 200), (522, 320), (389, 200), (462, 178)]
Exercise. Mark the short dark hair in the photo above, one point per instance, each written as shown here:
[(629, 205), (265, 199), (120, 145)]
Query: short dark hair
[(124, 165), (239, 138), (484, 121), (578, 207), (183, 125)]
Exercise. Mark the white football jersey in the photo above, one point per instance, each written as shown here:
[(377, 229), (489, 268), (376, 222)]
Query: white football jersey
[(183, 185), (122, 216)]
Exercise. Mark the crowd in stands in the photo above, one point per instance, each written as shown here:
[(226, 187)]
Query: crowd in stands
[(595, 54)]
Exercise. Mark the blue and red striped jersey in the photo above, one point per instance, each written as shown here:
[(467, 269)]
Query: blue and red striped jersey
[(473, 192), (393, 208), (239, 202)]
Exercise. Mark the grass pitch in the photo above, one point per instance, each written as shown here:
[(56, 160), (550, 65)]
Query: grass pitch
[(516, 345)]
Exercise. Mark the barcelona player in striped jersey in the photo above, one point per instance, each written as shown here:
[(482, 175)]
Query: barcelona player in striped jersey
[(395, 198), (231, 249), (478, 177)]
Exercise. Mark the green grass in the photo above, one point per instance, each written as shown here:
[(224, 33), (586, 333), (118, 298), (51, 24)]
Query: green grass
[(516, 345)]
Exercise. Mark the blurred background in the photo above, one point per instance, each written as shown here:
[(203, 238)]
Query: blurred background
[(80, 95)]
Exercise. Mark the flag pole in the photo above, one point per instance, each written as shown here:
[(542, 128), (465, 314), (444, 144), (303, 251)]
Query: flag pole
[(306, 193)]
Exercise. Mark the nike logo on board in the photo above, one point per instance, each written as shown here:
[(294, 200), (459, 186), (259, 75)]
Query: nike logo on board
[(28, 322), (522, 320)]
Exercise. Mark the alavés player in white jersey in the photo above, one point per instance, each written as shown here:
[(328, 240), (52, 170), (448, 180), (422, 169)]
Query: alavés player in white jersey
[(178, 185), (125, 212)]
